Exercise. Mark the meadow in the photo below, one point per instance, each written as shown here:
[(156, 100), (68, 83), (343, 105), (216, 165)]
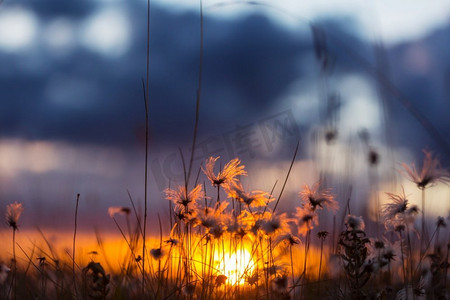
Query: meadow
[(225, 240), (234, 244)]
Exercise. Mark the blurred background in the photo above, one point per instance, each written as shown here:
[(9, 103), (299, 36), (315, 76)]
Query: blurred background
[(362, 85)]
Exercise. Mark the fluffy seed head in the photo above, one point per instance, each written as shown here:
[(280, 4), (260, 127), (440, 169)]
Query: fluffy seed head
[(13, 212)]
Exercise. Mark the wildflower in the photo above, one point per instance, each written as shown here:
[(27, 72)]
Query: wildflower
[(217, 230), (331, 135), (399, 211), (390, 252), (97, 280), (209, 217), (113, 210), (398, 206), (322, 234), (274, 223), (157, 253), (354, 223), (441, 222), (316, 197), (306, 220), (182, 198), (288, 238), (188, 290), (221, 279), (256, 221), (378, 244), (373, 157), (227, 175), (41, 260), (255, 198), (172, 241), (13, 212), (383, 252), (240, 225), (185, 214), (3, 273), (354, 252), (280, 283), (431, 172), (252, 279)]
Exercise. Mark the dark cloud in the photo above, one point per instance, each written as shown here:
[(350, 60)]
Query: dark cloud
[(48, 9), (249, 63), (418, 69)]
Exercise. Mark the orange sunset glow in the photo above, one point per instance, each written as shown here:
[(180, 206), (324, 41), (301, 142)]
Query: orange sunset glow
[(222, 149)]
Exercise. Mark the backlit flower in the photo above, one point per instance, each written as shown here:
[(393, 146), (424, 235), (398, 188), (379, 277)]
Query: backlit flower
[(221, 279), (240, 225), (217, 230), (287, 238), (182, 198), (274, 224), (383, 251), (172, 240), (322, 235), (399, 211), (13, 212), (157, 253), (398, 205), (227, 175), (431, 172), (188, 290), (306, 219), (318, 198), (354, 223), (254, 198), (209, 217), (256, 221), (113, 210), (280, 283), (252, 279)]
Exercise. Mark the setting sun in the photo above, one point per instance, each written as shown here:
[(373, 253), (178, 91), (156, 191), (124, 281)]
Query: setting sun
[(237, 266)]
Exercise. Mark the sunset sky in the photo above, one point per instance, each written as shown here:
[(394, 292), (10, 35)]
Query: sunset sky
[(72, 111)]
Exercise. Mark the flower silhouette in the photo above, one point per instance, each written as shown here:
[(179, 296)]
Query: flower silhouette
[(431, 172), (316, 197), (227, 175), (13, 212)]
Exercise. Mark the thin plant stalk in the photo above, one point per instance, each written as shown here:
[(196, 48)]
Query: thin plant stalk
[(146, 98), (199, 90), (435, 233), (292, 270), (446, 265), (405, 278), (307, 240), (423, 231), (411, 258), (423, 218), (287, 176), (73, 246), (320, 261), (14, 280)]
